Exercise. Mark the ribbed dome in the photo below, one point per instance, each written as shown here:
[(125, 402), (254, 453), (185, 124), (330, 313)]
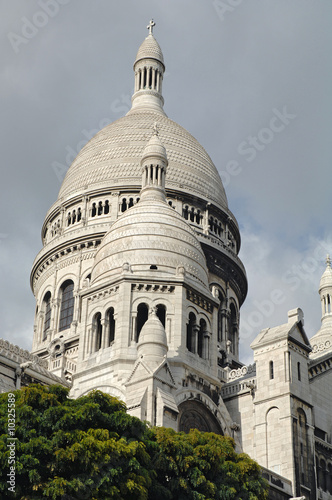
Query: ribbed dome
[(150, 234), (111, 159), (150, 49)]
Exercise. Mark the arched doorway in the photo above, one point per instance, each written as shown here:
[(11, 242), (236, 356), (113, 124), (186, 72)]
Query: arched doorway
[(194, 415)]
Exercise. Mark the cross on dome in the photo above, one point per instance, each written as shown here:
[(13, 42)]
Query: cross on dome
[(150, 26)]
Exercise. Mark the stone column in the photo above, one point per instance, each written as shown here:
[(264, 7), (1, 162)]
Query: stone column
[(133, 327), (194, 338), (206, 345), (55, 303), (206, 219), (40, 325), (169, 329), (105, 338)]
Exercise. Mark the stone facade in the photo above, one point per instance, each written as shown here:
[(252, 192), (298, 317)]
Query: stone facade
[(139, 287)]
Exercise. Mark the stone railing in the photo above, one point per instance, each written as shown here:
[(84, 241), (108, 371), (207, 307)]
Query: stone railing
[(232, 388), (244, 371), (323, 346), (20, 355)]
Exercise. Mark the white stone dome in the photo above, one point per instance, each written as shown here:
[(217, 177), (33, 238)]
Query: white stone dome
[(150, 48), (150, 234), (111, 159)]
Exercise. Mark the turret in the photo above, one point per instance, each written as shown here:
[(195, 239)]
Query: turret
[(149, 69)]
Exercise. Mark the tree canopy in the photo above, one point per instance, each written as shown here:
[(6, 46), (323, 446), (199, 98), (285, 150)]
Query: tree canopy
[(91, 448)]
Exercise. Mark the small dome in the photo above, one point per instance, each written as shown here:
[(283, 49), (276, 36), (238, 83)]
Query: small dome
[(154, 148), (150, 49), (151, 235), (326, 279), (152, 342)]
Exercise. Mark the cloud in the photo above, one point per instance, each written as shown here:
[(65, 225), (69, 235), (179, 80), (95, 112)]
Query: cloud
[(225, 79)]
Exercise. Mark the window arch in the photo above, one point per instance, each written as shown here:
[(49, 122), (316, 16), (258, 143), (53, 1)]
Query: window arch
[(329, 478), (110, 326), (233, 328), (97, 327), (47, 313), (221, 317), (322, 483), (271, 370), (142, 316), (302, 466), (201, 339), (191, 333), (161, 313), (67, 305)]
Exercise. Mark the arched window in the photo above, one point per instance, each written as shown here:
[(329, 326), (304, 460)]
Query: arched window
[(303, 467), (106, 207), (192, 214), (111, 326), (97, 327), (100, 208), (124, 205), (329, 478), (47, 311), (93, 210), (191, 333), (322, 475), (186, 212), (201, 339), (161, 313), (299, 370), (221, 317), (79, 214), (232, 328), (142, 316), (271, 370), (67, 305)]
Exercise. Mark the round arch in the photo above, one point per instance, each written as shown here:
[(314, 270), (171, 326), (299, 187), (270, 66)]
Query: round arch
[(221, 420), (193, 414)]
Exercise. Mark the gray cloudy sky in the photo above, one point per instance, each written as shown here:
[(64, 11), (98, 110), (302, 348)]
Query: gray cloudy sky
[(250, 79)]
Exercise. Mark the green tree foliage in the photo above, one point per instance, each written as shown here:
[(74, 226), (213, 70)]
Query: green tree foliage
[(90, 448), (204, 465)]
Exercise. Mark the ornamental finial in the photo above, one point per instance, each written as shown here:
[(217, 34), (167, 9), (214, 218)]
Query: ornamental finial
[(328, 261), (150, 26)]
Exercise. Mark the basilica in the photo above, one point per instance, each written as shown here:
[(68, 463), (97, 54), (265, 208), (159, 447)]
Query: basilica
[(138, 289)]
